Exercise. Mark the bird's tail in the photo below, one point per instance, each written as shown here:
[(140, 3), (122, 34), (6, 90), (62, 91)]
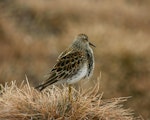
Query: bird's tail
[(40, 87), (44, 85)]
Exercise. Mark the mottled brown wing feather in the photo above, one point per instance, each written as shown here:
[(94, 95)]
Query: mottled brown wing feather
[(67, 65), (66, 52)]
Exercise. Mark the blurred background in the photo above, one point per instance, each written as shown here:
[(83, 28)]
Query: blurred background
[(34, 32)]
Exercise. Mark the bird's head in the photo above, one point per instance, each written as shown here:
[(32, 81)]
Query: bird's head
[(82, 42)]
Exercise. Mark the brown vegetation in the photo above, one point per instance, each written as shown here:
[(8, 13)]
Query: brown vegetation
[(26, 103)]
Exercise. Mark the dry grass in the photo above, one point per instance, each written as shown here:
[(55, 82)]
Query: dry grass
[(24, 102)]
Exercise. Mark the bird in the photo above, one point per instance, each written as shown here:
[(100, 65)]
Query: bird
[(73, 64)]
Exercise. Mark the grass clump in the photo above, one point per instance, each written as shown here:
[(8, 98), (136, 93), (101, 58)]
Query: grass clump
[(24, 102)]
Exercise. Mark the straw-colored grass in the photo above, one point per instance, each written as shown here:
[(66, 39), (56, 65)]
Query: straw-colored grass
[(24, 102)]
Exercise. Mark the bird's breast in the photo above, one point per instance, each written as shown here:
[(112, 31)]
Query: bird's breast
[(82, 73)]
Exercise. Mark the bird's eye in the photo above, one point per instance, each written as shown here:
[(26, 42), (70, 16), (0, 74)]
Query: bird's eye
[(86, 39)]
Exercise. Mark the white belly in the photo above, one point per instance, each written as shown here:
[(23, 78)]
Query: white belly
[(80, 75)]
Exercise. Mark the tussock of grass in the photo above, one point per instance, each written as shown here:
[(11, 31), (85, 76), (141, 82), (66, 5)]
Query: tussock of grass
[(24, 102)]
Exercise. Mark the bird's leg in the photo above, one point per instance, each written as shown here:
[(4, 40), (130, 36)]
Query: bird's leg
[(70, 96)]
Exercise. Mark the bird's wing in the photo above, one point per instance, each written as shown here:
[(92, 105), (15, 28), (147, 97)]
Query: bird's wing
[(64, 53), (66, 66)]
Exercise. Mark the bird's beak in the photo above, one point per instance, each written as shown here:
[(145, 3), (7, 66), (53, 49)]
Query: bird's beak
[(92, 44)]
